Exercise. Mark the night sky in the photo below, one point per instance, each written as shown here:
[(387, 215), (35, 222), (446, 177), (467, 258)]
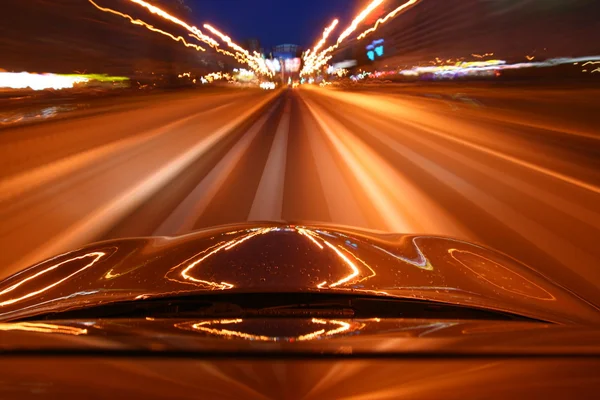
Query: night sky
[(273, 22)]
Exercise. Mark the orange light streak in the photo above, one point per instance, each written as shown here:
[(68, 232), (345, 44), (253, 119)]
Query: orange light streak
[(161, 13), (42, 328), (317, 61), (228, 245), (346, 260), (344, 326), (148, 26), (24, 80), (256, 63), (392, 14), (361, 16), (482, 55), (303, 232), (326, 34), (204, 327), (98, 255), (373, 273), (323, 57)]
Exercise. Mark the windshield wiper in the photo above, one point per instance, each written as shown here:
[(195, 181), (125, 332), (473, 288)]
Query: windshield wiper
[(280, 305)]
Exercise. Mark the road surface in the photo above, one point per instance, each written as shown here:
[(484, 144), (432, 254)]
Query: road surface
[(513, 168)]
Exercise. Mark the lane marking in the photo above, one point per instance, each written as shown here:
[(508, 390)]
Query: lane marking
[(184, 217), (268, 200)]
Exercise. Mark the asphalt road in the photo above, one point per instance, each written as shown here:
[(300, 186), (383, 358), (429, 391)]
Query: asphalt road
[(516, 169)]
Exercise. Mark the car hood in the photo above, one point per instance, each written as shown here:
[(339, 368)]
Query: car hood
[(273, 257)]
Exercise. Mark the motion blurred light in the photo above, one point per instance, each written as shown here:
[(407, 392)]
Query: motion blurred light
[(292, 65), (273, 65)]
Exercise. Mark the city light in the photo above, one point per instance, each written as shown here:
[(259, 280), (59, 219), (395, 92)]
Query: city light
[(311, 57), (148, 26), (391, 15), (24, 80), (194, 30), (40, 327), (185, 276), (241, 55), (27, 80), (326, 33), (358, 19), (95, 256), (205, 326), (255, 62), (315, 61)]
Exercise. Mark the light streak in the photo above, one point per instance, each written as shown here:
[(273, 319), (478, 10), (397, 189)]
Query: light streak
[(373, 273), (326, 34), (42, 328), (215, 76), (316, 61), (24, 80), (483, 55), (492, 66), (148, 26), (359, 18), (204, 327), (97, 256), (34, 81), (255, 62), (157, 11), (347, 261), (227, 245), (267, 85), (344, 326), (421, 262), (390, 15), (303, 232)]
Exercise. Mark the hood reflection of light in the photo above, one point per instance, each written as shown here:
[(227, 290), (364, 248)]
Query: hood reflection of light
[(97, 256), (211, 251), (204, 327), (42, 328)]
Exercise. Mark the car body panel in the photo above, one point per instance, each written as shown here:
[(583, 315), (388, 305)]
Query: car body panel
[(273, 257)]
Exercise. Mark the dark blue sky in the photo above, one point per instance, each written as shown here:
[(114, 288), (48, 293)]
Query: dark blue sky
[(273, 21)]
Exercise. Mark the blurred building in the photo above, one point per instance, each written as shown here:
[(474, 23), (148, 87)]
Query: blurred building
[(288, 56), (454, 29), (286, 51)]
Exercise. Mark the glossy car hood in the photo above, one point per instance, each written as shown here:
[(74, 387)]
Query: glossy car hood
[(274, 257)]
